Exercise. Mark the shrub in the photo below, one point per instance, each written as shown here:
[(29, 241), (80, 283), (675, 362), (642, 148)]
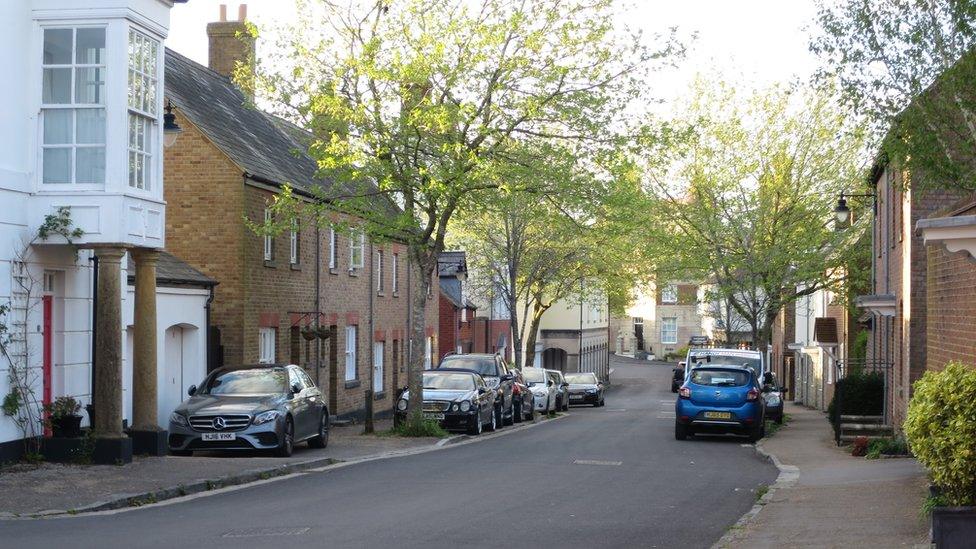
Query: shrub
[(860, 448), (861, 394), (426, 428), (941, 430)]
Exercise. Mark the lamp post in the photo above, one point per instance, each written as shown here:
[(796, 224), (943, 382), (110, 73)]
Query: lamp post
[(843, 213), (171, 130)]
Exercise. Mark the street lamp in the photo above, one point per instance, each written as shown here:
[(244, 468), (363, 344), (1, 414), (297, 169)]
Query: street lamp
[(171, 130), (462, 275), (842, 212)]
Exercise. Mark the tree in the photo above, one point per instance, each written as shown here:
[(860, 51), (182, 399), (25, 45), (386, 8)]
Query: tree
[(908, 66), (749, 204), (417, 105)]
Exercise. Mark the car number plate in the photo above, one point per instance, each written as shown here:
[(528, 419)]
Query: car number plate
[(431, 415), (210, 437), (718, 415), (576, 397)]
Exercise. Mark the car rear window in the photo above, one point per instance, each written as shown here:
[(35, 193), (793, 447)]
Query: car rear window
[(719, 378), (534, 375), (484, 366)]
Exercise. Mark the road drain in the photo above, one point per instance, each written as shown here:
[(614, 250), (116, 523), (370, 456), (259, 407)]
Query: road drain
[(266, 532), (596, 462)]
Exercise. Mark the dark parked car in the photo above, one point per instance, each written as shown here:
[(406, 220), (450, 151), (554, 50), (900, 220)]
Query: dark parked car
[(459, 400), (497, 377), (677, 376), (524, 399), (585, 388), (720, 399), (773, 397), (562, 389), (263, 407)]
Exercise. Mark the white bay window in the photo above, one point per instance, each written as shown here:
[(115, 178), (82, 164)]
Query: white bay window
[(143, 75), (73, 106)]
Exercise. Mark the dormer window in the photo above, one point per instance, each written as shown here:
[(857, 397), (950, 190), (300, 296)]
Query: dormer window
[(73, 106), (143, 109)]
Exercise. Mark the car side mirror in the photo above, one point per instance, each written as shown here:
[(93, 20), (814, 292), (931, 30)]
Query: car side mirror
[(192, 390), (482, 390), (296, 387), (565, 384)]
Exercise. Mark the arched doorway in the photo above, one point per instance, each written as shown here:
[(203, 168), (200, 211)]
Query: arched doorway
[(554, 359)]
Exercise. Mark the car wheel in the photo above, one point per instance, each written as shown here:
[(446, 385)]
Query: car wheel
[(566, 405), (680, 431), (321, 440), (476, 428), (603, 402), (287, 445), (494, 421), (517, 414), (510, 420), (756, 433), (531, 415), (181, 453)]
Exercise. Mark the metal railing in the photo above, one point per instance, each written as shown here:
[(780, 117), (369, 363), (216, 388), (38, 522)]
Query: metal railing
[(847, 368)]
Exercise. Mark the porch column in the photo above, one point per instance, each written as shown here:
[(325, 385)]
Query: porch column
[(107, 397), (144, 381)]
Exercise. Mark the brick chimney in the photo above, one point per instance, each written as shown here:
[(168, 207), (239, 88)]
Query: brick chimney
[(230, 42)]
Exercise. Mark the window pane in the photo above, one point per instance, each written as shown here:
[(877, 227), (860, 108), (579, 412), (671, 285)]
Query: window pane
[(132, 169), (57, 46), (56, 86), (57, 126), (90, 86), (90, 47), (90, 165), (91, 126), (57, 165)]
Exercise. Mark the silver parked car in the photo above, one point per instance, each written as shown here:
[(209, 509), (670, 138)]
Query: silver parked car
[(263, 407), (543, 389), (562, 389)]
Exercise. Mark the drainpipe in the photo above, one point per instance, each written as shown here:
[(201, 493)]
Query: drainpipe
[(368, 428), (318, 304), (409, 337), (94, 334), (206, 343), (579, 355)]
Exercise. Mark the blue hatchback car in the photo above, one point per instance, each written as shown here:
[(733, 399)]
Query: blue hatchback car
[(720, 399)]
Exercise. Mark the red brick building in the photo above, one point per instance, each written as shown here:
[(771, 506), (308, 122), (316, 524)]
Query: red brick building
[(455, 312), (326, 299)]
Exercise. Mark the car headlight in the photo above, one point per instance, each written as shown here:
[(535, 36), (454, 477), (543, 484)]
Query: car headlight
[(179, 419), (465, 406), (265, 417), (773, 401), (402, 404), (454, 407), (591, 391)]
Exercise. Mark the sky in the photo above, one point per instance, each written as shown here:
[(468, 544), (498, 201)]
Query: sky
[(757, 41)]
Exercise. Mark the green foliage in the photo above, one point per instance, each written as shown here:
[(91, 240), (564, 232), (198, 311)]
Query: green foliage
[(941, 430), (63, 406), (895, 446), (12, 403), (861, 394), (423, 428), (59, 224), (909, 66), (859, 348)]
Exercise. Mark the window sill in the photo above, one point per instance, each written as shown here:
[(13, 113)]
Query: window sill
[(380, 395), (333, 271), (352, 384), (295, 266), (396, 294), (270, 264), (354, 272), (381, 294)]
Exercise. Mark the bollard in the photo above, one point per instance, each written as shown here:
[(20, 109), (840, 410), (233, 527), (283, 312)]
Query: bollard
[(369, 412)]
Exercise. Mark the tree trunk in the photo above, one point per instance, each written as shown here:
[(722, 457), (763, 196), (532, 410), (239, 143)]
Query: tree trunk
[(426, 262), (533, 325), (512, 303)]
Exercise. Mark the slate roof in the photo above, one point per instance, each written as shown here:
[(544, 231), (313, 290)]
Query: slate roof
[(171, 270), (447, 266), (252, 139)]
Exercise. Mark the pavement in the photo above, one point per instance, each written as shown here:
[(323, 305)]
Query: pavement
[(596, 477), (827, 498), (54, 488)]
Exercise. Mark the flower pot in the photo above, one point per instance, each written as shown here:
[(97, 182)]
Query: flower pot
[(953, 527), (66, 426)]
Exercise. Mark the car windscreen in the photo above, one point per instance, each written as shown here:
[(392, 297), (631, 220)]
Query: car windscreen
[(534, 375), (582, 379), (719, 378), (727, 360), (450, 382), (484, 366), (261, 381)]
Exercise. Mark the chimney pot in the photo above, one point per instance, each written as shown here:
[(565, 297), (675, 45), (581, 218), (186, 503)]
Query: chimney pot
[(223, 12), (242, 12)]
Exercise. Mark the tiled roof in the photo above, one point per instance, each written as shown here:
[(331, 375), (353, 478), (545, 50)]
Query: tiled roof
[(172, 270)]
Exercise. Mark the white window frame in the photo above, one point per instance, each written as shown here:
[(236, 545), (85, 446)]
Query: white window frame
[(665, 331), (268, 239), (396, 274), (351, 335), (428, 353), (267, 341), (379, 272), (145, 114), (379, 348), (333, 248), (73, 107), (293, 246), (669, 294), (357, 246)]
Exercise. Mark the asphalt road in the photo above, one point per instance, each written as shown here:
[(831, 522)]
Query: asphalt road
[(602, 477)]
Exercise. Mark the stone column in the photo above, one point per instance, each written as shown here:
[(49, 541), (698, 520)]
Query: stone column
[(144, 381), (107, 397)]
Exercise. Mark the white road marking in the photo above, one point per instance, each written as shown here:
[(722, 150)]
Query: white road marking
[(266, 532), (596, 462)]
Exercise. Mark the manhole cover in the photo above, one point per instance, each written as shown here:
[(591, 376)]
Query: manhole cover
[(266, 532)]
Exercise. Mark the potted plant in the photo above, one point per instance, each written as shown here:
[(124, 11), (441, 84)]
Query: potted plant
[(941, 431), (63, 418)]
